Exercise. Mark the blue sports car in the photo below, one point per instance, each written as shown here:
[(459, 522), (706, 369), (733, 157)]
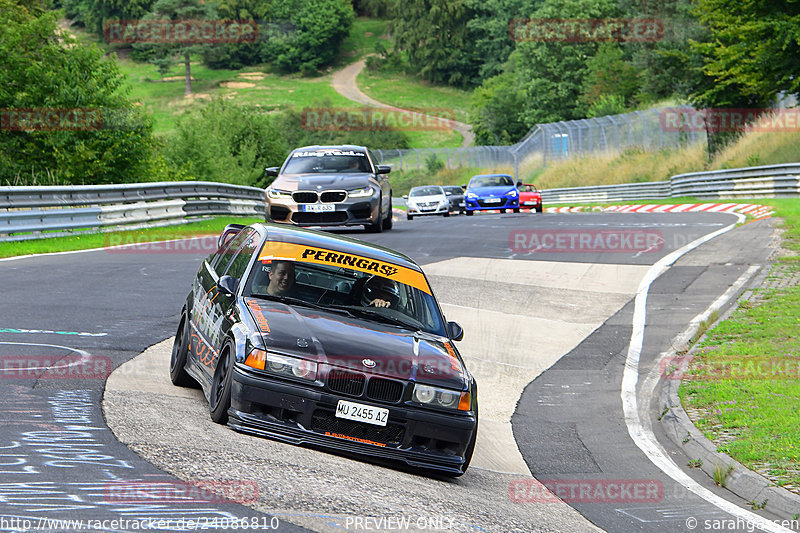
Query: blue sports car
[(491, 191)]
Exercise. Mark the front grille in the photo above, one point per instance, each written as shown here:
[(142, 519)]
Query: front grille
[(278, 212), (384, 390), (305, 197), (484, 203), (428, 204), (344, 382), (331, 217), (390, 434), (333, 196)]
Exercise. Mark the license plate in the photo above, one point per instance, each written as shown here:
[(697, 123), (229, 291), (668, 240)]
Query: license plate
[(362, 413), (528, 203), (319, 208), (493, 200), (461, 204)]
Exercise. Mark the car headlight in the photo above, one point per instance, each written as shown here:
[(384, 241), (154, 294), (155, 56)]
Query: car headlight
[(282, 364), (277, 194), (512, 194), (436, 397), (361, 193), (471, 195)]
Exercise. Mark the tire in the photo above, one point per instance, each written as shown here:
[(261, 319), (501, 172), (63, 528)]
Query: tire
[(377, 226), (447, 214), (539, 209), (219, 400), (180, 353), (469, 213), (516, 210), (388, 222), (409, 217)]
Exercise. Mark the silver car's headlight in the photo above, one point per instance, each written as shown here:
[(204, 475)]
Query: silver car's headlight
[(361, 193), (277, 194), (436, 397)]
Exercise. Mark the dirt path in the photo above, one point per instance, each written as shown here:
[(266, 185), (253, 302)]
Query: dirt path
[(344, 82)]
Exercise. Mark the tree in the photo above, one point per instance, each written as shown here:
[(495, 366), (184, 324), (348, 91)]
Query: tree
[(167, 52), (433, 33), (610, 77), (753, 50), (95, 136)]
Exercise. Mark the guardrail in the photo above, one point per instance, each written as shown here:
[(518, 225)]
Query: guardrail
[(770, 181), (36, 212)]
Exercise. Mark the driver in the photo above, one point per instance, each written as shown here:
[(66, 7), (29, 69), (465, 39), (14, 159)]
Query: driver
[(380, 292), (281, 278)]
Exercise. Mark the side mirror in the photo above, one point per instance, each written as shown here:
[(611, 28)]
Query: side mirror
[(405, 197), (272, 171), (227, 285), (519, 184), (464, 187), (382, 169), (455, 331)]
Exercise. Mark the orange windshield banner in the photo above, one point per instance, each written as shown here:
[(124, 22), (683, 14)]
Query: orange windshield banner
[(275, 251)]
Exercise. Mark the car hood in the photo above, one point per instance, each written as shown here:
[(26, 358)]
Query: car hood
[(431, 198), (296, 182), (491, 191), (346, 342)]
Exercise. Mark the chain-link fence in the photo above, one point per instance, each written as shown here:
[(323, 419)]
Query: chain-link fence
[(652, 129)]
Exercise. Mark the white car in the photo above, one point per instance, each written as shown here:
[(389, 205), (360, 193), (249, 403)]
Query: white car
[(427, 200)]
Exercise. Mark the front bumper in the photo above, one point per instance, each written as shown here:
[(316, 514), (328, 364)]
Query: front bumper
[(350, 212), (304, 414), (416, 210), (481, 204)]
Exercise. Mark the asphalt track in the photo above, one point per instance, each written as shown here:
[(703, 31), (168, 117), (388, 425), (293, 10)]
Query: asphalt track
[(60, 460)]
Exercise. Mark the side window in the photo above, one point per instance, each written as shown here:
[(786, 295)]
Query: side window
[(240, 261), (225, 257)]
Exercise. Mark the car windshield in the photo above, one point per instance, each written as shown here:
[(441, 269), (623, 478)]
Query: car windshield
[(352, 291), (453, 190), (527, 188), (491, 181), (327, 162), (425, 191)]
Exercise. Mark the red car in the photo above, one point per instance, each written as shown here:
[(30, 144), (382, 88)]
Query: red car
[(530, 197)]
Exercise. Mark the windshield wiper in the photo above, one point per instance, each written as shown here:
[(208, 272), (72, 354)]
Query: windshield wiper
[(289, 300)]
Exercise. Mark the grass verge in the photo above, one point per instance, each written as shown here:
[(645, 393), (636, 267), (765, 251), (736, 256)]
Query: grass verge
[(407, 92), (742, 388), (86, 240)]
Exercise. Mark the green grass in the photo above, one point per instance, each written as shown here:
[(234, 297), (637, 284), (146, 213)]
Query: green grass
[(364, 35), (86, 240), (165, 100), (407, 92), (744, 377)]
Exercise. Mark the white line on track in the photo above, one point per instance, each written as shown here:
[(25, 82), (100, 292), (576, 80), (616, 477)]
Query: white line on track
[(85, 356), (644, 437)]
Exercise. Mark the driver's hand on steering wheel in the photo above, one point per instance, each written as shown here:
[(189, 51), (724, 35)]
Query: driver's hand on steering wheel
[(377, 302)]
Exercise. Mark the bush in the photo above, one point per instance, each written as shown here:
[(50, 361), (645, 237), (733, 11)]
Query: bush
[(228, 143)]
